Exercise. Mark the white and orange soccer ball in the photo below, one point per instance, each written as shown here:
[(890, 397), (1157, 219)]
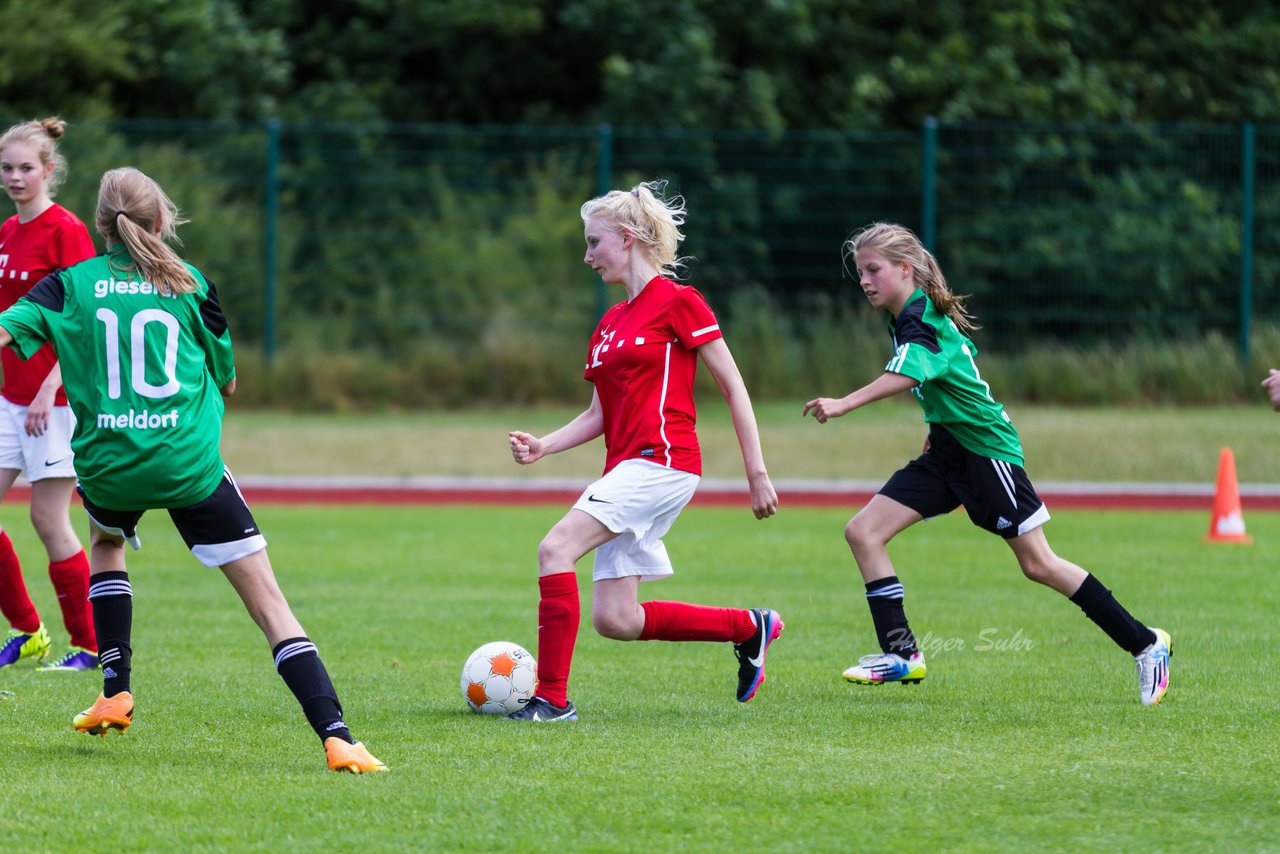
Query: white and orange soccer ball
[(499, 678)]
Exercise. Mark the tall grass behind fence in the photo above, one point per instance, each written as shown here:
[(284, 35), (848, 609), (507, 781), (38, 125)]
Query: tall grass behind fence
[(1091, 235), (432, 265)]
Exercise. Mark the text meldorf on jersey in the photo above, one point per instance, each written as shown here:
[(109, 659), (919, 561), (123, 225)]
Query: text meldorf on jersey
[(131, 420)]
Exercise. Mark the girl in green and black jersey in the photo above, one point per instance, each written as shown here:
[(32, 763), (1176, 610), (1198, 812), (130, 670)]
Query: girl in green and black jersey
[(972, 458), (146, 361)]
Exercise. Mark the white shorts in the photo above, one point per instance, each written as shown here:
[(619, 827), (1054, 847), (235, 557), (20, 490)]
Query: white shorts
[(36, 457), (639, 501)]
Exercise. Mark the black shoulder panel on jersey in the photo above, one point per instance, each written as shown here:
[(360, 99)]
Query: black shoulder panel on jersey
[(910, 327), (211, 313), (49, 292)]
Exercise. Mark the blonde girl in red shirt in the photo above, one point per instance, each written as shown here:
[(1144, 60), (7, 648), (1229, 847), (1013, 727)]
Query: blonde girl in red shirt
[(641, 363), (35, 420)]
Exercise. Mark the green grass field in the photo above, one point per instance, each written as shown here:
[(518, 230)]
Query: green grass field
[(1027, 734)]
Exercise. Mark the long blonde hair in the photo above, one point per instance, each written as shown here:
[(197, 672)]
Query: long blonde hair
[(650, 217), (43, 135), (898, 243), (133, 210)]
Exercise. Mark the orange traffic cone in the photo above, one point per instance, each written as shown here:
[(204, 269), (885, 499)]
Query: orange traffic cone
[(1227, 524)]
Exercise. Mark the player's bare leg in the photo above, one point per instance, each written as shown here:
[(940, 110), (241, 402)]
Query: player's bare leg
[(298, 662), (868, 534)]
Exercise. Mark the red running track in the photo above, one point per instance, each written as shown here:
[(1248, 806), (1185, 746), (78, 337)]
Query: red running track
[(508, 493)]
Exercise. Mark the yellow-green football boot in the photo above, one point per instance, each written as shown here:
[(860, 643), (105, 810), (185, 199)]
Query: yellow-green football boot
[(20, 645)]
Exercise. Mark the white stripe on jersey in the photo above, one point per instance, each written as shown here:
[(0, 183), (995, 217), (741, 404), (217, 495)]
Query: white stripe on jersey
[(704, 330), (1006, 479), (662, 404), (899, 356)]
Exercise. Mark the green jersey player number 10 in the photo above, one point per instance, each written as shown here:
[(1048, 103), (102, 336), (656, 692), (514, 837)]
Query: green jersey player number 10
[(141, 296), (138, 352)]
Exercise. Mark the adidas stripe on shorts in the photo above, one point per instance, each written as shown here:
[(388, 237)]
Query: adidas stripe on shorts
[(997, 495)]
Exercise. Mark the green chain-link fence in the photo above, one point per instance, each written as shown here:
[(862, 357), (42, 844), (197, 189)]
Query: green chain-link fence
[(467, 239)]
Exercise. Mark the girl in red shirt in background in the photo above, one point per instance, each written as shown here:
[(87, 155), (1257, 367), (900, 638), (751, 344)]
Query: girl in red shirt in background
[(35, 421), (641, 361)]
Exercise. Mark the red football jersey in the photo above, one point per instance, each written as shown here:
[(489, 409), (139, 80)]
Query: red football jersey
[(29, 251), (643, 358)]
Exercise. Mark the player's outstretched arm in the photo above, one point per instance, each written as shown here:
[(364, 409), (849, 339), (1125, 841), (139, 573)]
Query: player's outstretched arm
[(37, 420), (724, 370), (886, 385), (1272, 385), (527, 448), (5, 338)]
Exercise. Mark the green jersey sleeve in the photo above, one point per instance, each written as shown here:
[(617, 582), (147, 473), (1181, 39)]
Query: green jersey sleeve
[(917, 353), (930, 348), (27, 321), (216, 339)]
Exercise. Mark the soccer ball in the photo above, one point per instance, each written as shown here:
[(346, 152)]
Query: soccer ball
[(499, 678)]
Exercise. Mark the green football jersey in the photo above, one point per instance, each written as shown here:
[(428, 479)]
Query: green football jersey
[(929, 348), (142, 373)]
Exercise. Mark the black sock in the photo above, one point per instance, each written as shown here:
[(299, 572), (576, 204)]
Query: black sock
[(111, 597), (1100, 606), (884, 597), (299, 665)]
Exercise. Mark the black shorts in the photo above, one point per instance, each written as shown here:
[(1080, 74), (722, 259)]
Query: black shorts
[(997, 495), (218, 530)]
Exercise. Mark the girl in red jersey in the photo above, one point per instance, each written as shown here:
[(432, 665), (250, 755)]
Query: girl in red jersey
[(641, 361), (35, 421)]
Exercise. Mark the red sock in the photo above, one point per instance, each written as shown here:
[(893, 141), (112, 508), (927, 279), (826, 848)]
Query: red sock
[(15, 604), (680, 621), (70, 579), (558, 616)]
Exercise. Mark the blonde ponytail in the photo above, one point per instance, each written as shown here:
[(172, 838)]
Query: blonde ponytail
[(133, 210)]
